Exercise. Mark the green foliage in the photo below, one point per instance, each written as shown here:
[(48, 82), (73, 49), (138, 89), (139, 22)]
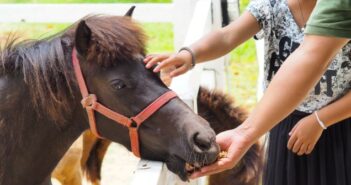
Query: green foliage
[(160, 37), (160, 34), (245, 52), (243, 81), (243, 70), (243, 74), (85, 1), (243, 4), (30, 30)]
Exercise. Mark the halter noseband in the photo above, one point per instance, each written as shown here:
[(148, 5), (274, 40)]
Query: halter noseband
[(91, 104)]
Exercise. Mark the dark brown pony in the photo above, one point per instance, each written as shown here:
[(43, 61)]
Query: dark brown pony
[(220, 111), (41, 114)]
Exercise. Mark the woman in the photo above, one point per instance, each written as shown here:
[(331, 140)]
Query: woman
[(281, 24)]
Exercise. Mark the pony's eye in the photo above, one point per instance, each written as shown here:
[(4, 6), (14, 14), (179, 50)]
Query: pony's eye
[(118, 84)]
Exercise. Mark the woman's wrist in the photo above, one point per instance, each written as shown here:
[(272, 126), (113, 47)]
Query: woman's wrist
[(319, 121), (192, 55), (250, 134)]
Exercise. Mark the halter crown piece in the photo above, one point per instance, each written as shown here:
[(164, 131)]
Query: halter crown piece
[(90, 103)]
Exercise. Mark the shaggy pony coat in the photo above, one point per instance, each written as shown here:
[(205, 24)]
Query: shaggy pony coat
[(220, 111)]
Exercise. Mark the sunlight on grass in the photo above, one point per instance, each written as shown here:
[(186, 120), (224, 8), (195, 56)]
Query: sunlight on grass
[(244, 71), (160, 34), (243, 82), (160, 37), (30, 30)]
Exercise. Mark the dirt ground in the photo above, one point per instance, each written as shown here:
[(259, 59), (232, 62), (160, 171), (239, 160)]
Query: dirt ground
[(118, 166)]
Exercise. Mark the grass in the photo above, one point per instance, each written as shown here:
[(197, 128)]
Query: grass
[(160, 37), (85, 1), (243, 74), (160, 34), (244, 71), (243, 4)]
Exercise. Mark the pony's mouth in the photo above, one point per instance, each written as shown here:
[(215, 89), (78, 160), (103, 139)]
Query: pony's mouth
[(184, 168), (191, 168)]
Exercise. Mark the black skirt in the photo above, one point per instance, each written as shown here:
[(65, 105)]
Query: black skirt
[(328, 164)]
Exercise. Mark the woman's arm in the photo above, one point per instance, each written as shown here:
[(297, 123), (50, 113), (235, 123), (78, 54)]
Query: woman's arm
[(222, 41), (306, 133), (211, 46), (337, 111), (299, 73)]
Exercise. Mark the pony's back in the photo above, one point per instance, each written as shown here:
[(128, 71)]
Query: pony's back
[(220, 111)]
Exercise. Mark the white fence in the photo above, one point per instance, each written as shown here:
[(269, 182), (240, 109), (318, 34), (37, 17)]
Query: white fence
[(67, 13), (192, 19), (204, 17)]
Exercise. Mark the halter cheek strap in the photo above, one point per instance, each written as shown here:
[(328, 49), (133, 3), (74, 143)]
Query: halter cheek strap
[(90, 103)]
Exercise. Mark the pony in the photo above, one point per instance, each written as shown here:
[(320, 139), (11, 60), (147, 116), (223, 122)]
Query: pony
[(216, 107), (41, 113)]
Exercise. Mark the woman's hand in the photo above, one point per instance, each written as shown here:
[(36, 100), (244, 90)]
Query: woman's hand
[(235, 143), (304, 135), (179, 62)]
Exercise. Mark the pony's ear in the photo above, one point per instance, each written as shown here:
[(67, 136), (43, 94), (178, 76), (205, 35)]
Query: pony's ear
[(83, 37), (130, 12)]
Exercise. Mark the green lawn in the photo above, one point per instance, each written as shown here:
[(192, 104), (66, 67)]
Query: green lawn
[(244, 71), (85, 1), (160, 35)]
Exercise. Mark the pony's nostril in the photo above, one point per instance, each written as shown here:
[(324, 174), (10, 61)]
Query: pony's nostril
[(202, 141)]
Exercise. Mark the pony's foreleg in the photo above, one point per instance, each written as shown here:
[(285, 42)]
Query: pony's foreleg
[(94, 150), (68, 171)]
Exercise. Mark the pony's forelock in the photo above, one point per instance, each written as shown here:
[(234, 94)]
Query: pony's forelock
[(114, 39)]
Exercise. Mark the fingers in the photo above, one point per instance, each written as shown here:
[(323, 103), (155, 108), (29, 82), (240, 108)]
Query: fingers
[(148, 58), (293, 137), (201, 174), (292, 141), (221, 165), (309, 148), (293, 130), (297, 146), (167, 63), (303, 149), (152, 60), (164, 61), (179, 71)]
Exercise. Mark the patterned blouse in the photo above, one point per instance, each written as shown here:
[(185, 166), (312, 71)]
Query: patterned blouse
[(282, 36)]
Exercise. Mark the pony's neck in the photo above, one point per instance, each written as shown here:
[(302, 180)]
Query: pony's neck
[(32, 150), (31, 145)]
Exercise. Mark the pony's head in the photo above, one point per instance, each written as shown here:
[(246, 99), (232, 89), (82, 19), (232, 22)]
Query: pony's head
[(111, 51)]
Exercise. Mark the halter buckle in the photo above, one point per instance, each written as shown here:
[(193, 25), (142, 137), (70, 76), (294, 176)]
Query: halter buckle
[(89, 102), (133, 123)]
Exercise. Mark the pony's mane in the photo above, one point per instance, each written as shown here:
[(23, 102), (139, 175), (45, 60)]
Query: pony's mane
[(220, 110), (45, 65), (114, 39)]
